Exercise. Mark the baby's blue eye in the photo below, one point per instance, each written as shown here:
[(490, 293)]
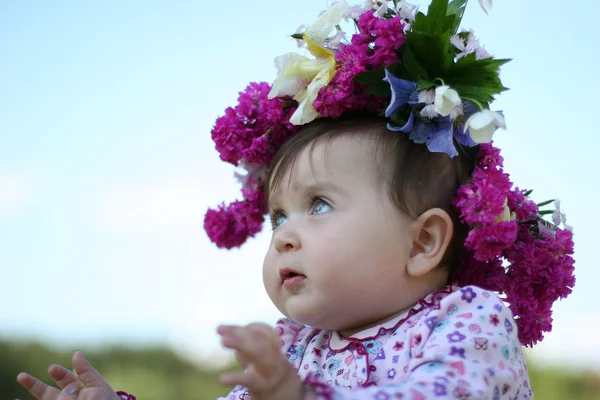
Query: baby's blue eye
[(321, 206), (278, 219)]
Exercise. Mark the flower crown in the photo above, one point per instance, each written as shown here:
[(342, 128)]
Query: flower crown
[(433, 83)]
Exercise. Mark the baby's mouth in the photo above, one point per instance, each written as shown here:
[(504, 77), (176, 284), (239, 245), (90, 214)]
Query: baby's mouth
[(291, 279)]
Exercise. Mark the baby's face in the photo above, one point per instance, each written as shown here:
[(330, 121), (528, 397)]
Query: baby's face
[(337, 258)]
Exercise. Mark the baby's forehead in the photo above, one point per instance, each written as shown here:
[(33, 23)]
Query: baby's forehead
[(341, 152), (330, 160)]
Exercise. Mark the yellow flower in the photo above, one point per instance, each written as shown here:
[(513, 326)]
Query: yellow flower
[(506, 214), (303, 77)]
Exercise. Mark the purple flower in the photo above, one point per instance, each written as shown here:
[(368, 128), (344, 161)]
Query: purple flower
[(391, 373), (455, 337), (439, 389), (496, 393), (508, 325), (431, 322), (438, 133), (382, 396), (403, 93), (457, 351), (468, 294), (291, 351)]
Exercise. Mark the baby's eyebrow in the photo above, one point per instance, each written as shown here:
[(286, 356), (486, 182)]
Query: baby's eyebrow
[(312, 188), (324, 186)]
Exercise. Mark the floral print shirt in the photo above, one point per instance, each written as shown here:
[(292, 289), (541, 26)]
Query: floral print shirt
[(459, 343)]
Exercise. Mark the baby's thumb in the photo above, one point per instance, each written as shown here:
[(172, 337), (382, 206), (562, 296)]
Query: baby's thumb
[(85, 372)]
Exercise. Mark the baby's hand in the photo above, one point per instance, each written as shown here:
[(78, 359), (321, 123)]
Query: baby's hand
[(268, 374), (87, 385)]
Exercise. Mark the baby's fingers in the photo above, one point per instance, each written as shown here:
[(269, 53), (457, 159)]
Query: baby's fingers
[(257, 345), (61, 376), (86, 373), (37, 388), (249, 379)]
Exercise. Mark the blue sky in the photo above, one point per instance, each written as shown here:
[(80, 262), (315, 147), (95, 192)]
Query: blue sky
[(107, 167)]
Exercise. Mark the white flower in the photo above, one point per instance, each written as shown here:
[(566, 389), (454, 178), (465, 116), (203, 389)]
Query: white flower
[(486, 5), (370, 4), (381, 10), (406, 11), (483, 124), (481, 53), (468, 46), (354, 12), (426, 96), (335, 41), (303, 77), (559, 217), (294, 73), (429, 111), (254, 174), (456, 111), (446, 99)]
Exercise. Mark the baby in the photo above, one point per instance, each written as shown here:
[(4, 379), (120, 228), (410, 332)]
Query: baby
[(406, 264), (364, 244)]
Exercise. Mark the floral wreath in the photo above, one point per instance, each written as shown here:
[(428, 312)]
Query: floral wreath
[(434, 83)]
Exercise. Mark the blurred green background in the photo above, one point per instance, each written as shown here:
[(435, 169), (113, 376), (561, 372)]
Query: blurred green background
[(156, 373)]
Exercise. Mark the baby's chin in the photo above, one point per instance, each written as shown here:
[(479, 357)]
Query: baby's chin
[(315, 317), (302, 312)]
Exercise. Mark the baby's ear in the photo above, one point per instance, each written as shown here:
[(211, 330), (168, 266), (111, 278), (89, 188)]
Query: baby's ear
[(431, 237)]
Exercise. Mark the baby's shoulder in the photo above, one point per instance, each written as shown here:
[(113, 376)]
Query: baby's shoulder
[(469, 298), (470, 309), (468, 294)]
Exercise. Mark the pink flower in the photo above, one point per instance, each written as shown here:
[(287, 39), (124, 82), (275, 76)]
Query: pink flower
[(374, 46), (532, 267), (230, 226), (524, 208), (488, 241), (244, 131)]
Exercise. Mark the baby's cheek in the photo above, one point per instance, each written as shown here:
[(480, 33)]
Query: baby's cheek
[(270, 279)]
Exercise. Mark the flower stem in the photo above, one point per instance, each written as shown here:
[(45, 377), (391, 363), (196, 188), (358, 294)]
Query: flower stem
[(477, 103)]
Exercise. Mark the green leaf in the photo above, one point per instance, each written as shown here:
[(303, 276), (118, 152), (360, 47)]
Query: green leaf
[(297, 36), (546, 212), (425, 84), (476, 79), (545, 203), (370, 77), (398, 119), (442, 17), (375, 85), (434, 21), (528, 193), (431, 51), (415, 71), (429, 38), (457, 8)]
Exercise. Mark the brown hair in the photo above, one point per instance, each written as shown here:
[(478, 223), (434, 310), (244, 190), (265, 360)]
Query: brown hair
[(417, 179)]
